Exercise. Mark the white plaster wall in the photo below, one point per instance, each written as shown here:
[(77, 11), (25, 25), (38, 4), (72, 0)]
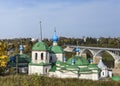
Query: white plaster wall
[(46, 67), (95, 76), (35, 70), (104, 73), (65, 75), (56, 57), (73, 75), (85, 76), (45, 57), (60, 57)]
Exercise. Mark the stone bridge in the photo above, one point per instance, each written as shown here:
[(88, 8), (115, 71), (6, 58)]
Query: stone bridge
[(96, 53)]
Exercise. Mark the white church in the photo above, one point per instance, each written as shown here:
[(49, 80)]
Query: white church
[(51, 61)]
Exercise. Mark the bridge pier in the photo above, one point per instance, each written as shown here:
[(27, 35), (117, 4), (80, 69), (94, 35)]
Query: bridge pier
[(84, 55), (117, 64), (96, 59)]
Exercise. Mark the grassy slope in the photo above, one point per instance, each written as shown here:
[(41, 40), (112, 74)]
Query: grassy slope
[(34, 80)]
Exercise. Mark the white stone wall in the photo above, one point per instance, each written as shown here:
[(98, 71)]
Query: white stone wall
[(59, 74), (60, 57), (45, 57), (35, 70), (46, 69), (56, 57), (38, 69), (63, 75), (95, 76)]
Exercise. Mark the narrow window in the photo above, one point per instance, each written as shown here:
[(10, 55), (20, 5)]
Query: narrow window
[(41, 56), (50, 58), (36, 56), (46, 56), (46, 70)]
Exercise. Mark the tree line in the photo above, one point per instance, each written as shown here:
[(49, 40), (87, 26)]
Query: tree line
[(12, 45)]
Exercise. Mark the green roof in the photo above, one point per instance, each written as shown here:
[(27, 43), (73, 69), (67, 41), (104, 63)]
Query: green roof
[(40, 46), (78, 61), (58, 62), (23, 60), (56, 49), (85, 69), (40, 64), (93, 66), (72, 66), (116, 78), (53, 69)]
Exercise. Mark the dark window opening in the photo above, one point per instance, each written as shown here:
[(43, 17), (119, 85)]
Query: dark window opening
[(50, 58), (36, 56), (41, 56), (46, 70)]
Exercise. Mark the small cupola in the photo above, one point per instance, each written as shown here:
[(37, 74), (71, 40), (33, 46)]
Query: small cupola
[(64, 59), (77, 50), (55, 38), (73, 61), (21, 49)]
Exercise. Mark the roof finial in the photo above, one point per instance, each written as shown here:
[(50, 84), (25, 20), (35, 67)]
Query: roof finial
[(55, 30), (40, 39)]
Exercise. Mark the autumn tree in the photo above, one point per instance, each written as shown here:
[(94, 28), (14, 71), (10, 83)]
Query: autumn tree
[(3, 57)]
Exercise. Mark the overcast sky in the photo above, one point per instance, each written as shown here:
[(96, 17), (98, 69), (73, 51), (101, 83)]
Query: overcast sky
[(72, 18)]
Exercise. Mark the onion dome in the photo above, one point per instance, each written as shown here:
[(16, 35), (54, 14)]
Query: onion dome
[(64, 59), (77, 49), (40, 46), (73, 61), (21, 48), (55, 38)]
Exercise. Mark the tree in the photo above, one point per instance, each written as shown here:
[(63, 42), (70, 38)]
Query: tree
[(3, 57)]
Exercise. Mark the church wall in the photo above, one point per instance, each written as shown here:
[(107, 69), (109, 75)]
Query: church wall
[(40, 59), (68, 74), (56, 57), (35, 70), (60, 57), (46, 69)]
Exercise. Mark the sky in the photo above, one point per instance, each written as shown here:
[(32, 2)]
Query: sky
[(71, 18)]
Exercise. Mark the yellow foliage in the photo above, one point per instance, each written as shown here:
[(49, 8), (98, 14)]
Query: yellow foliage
[(3, 61), (3, 57)]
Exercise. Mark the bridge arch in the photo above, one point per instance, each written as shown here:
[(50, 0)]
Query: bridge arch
[(87, 53), (108, 58), (101, 51), (91, 51)]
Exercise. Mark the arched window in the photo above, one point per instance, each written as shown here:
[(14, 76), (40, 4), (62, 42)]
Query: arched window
[(41, 56), (36, 55)]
